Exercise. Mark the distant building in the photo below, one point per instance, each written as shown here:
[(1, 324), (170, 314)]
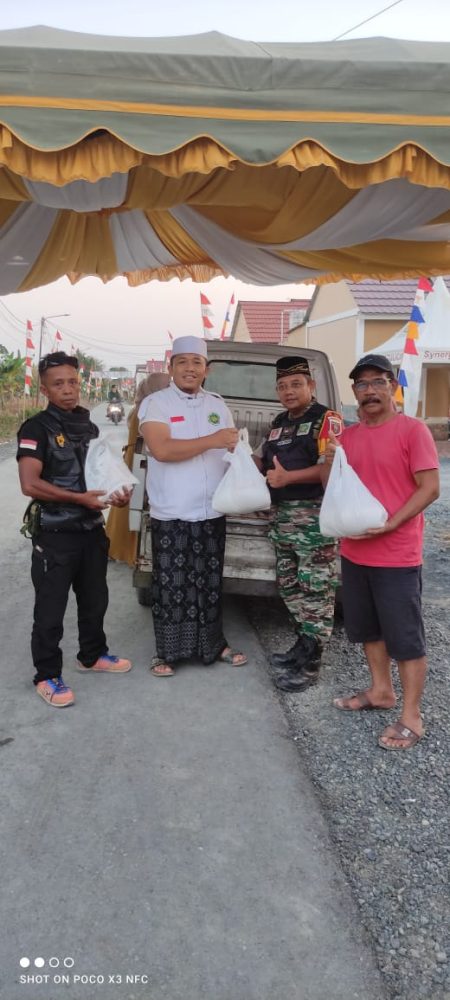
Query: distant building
[(267, 322), (347, 319)]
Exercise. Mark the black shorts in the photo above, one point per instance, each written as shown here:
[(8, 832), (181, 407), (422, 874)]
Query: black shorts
[(383, 602)]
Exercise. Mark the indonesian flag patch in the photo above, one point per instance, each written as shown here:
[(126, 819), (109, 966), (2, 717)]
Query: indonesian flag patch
[(176, 420), (28, 443)]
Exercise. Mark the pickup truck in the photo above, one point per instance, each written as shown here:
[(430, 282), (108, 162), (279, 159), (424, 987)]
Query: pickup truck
[(244, 374)]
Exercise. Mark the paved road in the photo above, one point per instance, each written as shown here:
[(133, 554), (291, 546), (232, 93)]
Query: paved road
[(160, 829)]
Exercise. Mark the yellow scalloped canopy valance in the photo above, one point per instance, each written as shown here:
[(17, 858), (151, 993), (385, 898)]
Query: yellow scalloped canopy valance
[(208, 155)]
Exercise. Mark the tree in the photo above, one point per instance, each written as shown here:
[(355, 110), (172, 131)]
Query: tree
[(89, 363), (12, 376)]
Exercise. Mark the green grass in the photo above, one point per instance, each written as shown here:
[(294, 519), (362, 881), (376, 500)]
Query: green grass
[(11, 417), (10, 422)]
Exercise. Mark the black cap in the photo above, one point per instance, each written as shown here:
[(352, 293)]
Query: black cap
[(55, 360), (293, 365), (373, 361)]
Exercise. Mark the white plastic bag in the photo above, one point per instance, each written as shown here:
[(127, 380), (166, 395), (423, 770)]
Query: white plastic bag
[(348, 508), (243, 488), (105, 470)]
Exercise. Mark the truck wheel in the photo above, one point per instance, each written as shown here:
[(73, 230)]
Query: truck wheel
[(144, 596)]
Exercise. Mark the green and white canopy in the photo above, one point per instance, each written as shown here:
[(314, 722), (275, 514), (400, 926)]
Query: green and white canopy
[(208, 155)]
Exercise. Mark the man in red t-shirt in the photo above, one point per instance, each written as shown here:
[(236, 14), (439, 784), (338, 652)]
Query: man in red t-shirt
[(395, 457)]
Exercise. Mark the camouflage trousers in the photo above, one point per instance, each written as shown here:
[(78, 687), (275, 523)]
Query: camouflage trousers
[(306, 567)]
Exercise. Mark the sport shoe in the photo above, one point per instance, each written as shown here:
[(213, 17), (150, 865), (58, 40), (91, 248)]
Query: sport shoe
[(107, 664), (55, 692)]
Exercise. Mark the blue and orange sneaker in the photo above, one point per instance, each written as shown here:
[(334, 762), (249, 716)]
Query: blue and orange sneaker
[(107, 664), (55, 692)]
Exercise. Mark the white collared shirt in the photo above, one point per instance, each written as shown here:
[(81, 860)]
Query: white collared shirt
[(184, 490)]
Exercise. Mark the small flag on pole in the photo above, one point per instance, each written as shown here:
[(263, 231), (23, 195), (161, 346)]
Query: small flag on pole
[(206, 311), (28, 359), (227, 320), (57, 341)]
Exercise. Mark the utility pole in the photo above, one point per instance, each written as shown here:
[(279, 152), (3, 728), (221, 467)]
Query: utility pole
[(41, 334)]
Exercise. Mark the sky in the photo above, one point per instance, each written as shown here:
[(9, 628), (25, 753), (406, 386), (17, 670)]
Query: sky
[(103, 318)]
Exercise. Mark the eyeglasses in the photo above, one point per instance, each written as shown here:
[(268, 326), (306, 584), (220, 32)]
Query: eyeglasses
[(375, 383)]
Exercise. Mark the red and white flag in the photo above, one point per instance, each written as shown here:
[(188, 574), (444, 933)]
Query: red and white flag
[(206, 311), (29, 359), (57, 341), (227, 320)]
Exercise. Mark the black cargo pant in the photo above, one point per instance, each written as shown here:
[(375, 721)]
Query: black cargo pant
[(62, 560)]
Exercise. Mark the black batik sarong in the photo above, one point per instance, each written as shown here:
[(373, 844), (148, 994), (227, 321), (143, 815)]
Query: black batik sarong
[(187, 589)]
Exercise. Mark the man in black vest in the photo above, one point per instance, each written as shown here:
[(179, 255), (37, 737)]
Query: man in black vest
[(306, 561), (70, 547)]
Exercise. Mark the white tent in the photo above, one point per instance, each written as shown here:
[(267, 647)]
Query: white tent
[(434, 333)]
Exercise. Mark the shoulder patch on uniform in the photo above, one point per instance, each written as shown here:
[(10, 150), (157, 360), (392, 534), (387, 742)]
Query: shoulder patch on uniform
[(28, 443)]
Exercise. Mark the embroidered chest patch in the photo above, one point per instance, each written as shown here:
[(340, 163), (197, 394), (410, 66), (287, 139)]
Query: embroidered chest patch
[(60, 440), (176, 420), (214, 418), (303, 429), (275, 434)]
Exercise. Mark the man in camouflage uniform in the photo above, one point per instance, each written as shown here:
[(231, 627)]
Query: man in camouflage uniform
[(306, 561)]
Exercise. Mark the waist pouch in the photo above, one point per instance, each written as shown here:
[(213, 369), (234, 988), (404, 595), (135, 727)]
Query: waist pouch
[(53, 517), (31, 521)]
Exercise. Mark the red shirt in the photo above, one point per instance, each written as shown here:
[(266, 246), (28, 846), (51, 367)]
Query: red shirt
[(385, 457)]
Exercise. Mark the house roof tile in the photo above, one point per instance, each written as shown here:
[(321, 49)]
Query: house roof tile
[(267, 322), (386, 298)]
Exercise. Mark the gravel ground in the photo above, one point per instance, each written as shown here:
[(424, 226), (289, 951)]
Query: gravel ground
[(388, 812)]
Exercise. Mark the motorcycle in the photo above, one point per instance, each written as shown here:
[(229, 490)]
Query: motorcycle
[(115, 412)]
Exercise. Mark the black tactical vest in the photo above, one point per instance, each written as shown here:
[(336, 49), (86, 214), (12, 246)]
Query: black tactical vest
[(294, 443), (67, 444)]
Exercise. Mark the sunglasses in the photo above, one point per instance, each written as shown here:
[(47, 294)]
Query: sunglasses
[(56, 362)]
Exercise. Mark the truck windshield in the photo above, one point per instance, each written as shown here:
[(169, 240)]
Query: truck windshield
[(242, 380)]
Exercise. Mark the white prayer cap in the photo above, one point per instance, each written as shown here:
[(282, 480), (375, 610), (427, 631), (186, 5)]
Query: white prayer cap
[(189, 345)]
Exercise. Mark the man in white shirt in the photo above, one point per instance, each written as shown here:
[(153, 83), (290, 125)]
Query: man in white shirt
[(187, 431)]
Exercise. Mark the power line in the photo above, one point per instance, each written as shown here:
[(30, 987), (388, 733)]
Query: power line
[(85, 343), (94, 340), (19, 322), (366, 21)]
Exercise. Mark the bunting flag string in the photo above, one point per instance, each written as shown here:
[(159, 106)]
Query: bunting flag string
[(29, 351), (425, 285), (409, 376), (227, 320), (206, 311)]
